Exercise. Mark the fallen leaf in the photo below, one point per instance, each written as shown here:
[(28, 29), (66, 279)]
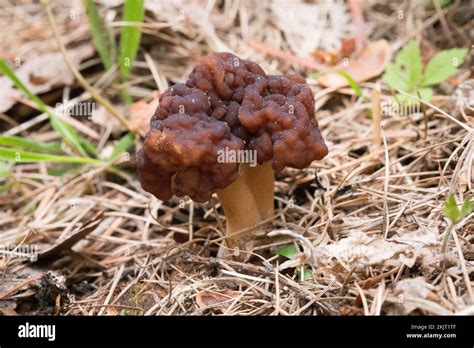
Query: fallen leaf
[(424, 243), (360, 250), (370, 63), (414, 293), (42, 73), (141, 113), (217, 300)]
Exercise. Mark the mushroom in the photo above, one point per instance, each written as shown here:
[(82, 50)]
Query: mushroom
[(205, 132)]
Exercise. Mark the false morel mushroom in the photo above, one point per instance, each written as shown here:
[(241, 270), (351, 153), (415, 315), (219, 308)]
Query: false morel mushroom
[(229, 106)]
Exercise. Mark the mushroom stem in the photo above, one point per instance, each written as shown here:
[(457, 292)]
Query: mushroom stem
[(241, 212), (261, 181)]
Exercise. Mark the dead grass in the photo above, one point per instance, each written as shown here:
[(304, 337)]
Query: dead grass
[(150, 257)]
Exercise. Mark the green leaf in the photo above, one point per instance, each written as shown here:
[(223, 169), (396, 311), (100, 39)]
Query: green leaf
[(393, 77), (30, 145), (289, 251), (133, 11), (4, 170), (408, 60), (19, 156), (451, 210), (425, 94), (123, 144), (466, 208), (443, 65), (101, 35), (406, 72), (64, 130), (351, 82)]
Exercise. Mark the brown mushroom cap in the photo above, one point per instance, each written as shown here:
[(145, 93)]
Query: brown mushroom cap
[(227, 103)]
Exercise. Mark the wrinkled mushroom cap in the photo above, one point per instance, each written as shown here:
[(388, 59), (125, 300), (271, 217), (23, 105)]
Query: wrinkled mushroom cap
[(226, 104)]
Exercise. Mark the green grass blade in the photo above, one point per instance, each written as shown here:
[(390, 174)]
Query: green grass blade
[(75, 168), (123, 144), (133, 11), (101, 35), (30, 145), (91, 150), (17, 156), (351, 82), (5, 69), (67, 132)]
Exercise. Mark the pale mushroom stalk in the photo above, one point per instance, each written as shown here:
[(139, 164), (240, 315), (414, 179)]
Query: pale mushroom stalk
[(246, 203), (261, 181), (241, 211)]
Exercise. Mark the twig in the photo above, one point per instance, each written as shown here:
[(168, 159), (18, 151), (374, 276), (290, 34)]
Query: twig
[(463, 265), (117, 277), (18, 287), (386, 216), (376, 116), (425, 116)]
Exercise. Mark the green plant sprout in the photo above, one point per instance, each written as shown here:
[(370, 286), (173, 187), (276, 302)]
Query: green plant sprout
[(454, 214), (101, 35), (291, 252), (133, 13), (407, 73), (351, 82)]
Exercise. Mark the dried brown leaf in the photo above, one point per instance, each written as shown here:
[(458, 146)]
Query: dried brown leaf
[(213, 299), (372, 62)]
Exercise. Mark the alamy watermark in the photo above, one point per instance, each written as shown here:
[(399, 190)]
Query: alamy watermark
[(392, 108), (81, 109), (22, 251), (237, 156)]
